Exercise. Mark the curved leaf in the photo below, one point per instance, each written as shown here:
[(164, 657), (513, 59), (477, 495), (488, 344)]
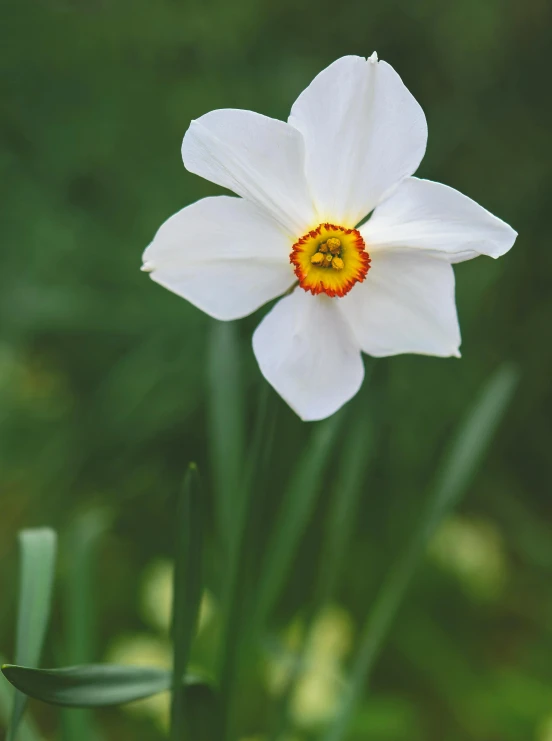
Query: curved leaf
[(38, 556), (94, 685)]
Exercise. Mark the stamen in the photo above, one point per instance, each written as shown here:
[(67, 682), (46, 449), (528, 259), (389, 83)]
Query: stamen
[(330, 259)]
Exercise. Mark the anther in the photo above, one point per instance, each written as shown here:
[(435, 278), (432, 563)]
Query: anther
[(334, 245), (324, 247), (317, 258), (338, 263)]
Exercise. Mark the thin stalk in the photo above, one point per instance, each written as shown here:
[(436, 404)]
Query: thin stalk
[(453, 478), (187, 591), (356, 458), (238, 586)]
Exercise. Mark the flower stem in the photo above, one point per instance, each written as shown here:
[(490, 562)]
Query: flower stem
[(187, 591)]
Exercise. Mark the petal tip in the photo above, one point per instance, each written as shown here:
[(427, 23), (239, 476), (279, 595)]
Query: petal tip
[(148, 267), (374, 58)]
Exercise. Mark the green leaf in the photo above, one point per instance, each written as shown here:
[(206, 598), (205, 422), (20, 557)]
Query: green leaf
[(237, 585), (296, 508), (80, 608), (354, 460), (95, 685), (187, 589), (38, 555), (226, 427), (27, 730), (453, 477), (202, 712), (356, 457)]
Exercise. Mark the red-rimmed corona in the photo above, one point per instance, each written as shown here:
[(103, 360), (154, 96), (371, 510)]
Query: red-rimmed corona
[(330, 259)]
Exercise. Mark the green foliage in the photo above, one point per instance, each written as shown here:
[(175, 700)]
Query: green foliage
[(89, 686), (38, 557), (188, 579), (459, 466)]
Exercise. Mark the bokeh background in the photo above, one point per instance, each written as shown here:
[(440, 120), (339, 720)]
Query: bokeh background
[(107, 381)]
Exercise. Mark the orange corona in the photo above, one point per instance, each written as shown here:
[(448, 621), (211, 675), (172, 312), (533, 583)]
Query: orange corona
[(330, 259)]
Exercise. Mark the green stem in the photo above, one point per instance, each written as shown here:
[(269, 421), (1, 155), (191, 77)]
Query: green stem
[(187, 591), (453, 478), (356, 458), (249, 510)]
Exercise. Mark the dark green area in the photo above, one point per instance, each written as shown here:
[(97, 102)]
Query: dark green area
[(104, 390)]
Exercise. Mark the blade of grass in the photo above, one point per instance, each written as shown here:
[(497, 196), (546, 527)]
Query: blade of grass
[(296, 508), (80, 610), (38, 555), (455, 474), (226, 427), (203, 712), (187, 589), (238, 586), (355, 458)]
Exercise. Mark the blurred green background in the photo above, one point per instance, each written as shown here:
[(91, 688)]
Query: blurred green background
[(105, 390)]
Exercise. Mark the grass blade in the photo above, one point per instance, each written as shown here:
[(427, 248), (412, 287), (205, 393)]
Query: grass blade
[(355, 459), (187, 590), (457, 471), (80, 609), (95, 685), (238, 584), (226, 427), (202, 711), (296, 508), (38, 555)]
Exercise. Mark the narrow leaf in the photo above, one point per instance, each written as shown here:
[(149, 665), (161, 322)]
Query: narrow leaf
[(238, 584), (296, 508), (457, 471), (202, 712), (80, 609), (95, 685), (355, 459), (226, 426), (27, 730), (187, 589), (38, 555)]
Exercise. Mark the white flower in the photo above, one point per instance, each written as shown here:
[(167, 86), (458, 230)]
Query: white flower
[(353, 140)]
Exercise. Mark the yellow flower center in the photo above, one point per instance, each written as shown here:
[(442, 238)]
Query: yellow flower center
[(330, 259)]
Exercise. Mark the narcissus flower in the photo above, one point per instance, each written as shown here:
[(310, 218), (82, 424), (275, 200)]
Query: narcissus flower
[(382, 285)]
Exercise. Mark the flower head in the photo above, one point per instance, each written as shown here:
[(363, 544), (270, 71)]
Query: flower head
[(383, 285)]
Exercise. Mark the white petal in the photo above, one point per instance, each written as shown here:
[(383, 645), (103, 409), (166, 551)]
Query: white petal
[(223, 255), (438, 219), (405, 305), (257, 157), (364, 132), (307, 352)]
